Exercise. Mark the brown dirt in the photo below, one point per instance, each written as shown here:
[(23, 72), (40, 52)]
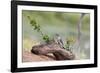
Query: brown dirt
[(30, 57)]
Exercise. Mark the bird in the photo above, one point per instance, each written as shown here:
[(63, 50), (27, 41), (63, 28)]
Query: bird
[(58, 40)]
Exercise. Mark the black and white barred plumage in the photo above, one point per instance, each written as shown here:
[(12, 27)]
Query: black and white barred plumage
[(58, 40)]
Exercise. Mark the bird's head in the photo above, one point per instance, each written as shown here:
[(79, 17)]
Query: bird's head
[(57, 34)]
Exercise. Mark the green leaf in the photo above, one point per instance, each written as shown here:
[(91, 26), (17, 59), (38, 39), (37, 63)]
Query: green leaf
[(33, 22), (28, 17), (35, 27), (38, 28), (46, 38)]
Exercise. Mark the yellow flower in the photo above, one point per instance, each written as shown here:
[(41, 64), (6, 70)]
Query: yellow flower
[(70, 39)]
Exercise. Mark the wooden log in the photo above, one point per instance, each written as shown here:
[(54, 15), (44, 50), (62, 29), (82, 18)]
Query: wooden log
[(55, 49), (30, 57)]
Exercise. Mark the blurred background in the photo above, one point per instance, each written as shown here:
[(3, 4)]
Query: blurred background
[(63, 23)]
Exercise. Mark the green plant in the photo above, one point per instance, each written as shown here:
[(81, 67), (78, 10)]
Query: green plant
[(69, 42), (37, 27), (46, 38)]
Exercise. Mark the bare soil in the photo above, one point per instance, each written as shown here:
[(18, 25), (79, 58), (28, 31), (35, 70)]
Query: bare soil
[(30, 57)]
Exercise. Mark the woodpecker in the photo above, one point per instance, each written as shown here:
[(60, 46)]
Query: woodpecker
[(58, 40)]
